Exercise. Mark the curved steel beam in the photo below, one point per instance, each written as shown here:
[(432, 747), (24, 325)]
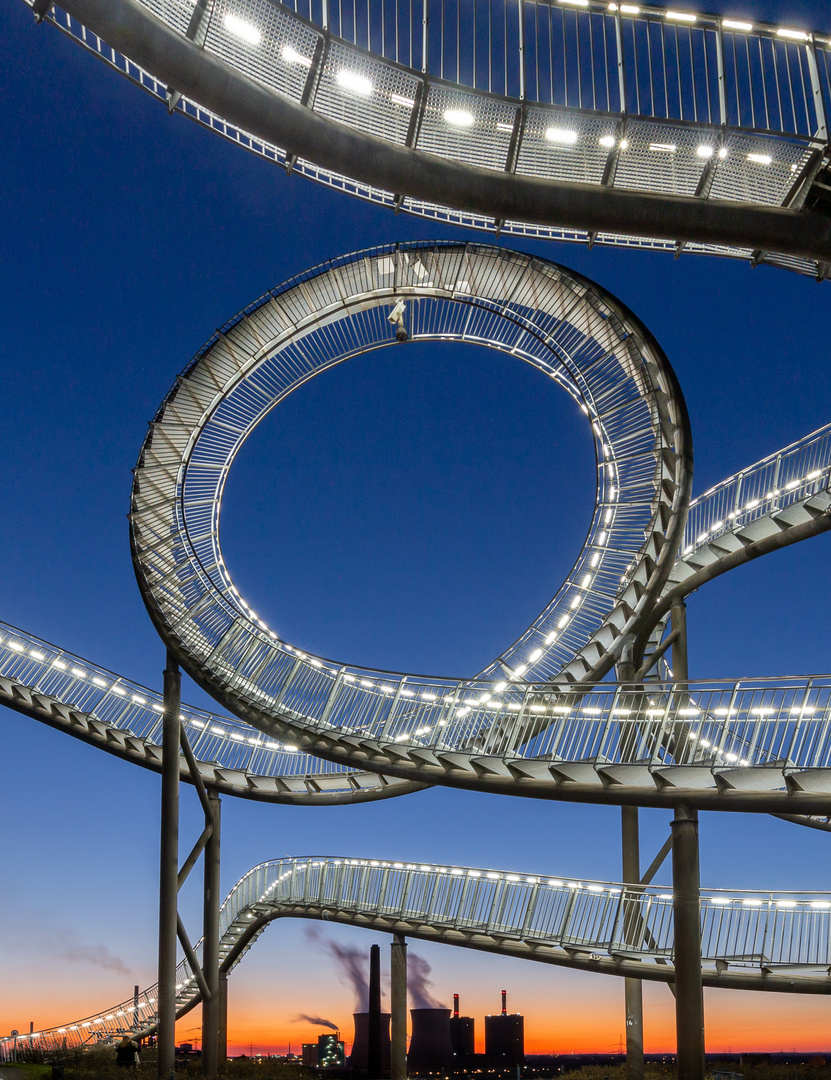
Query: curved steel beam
[(750, 940), (123, 718), (187, 69)]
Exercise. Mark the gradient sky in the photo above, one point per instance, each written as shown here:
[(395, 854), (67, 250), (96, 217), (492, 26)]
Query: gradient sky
[(413, 509)]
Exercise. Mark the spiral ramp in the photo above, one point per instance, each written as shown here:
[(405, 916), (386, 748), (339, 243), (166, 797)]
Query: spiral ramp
[(750, 940)]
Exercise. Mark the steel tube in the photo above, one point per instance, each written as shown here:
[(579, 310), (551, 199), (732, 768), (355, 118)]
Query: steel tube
[(222, 1037), (210, 945), (169, 870), (686, 905), (254, 108), (633, 988), (398, 1007)]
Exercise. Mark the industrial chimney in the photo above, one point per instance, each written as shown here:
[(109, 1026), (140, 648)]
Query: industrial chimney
[(370, 1057), (431, 1049), (461, 1037), (504, 1039)]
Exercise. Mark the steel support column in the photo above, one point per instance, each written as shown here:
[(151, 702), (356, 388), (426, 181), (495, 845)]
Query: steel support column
[(633, 988), (169, 870), (222, 1039), (210, 945), (686, 905), (678, 614), (398, 1007)]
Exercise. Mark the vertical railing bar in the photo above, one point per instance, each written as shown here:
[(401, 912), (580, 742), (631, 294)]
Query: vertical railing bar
[(621, 64), (521, 46)]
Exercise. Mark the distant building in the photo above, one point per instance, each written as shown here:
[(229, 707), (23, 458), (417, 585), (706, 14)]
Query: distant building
[(309, 1055), (330, 1052), (504, 1039), (462, 1037)]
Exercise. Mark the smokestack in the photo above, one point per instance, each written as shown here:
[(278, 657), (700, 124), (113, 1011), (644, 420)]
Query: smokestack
[(456, 1006), (504, 1002), (359, 1059), (374, 1063)]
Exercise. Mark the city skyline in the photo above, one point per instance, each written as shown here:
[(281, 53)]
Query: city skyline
[(113, 279)]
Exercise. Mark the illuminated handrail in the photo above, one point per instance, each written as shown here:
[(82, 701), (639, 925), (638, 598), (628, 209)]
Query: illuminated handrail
[(791, 475), (635, 96), (747, 937), (87, 699)]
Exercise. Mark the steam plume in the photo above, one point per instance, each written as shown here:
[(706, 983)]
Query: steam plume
[(352, 964), (419, 982), (317, 1021)]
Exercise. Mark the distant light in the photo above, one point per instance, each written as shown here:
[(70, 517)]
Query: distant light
[(397, 99), (357, 84), (794, 35), (458, 117), (760, 159), (561, 135), (681, 16), (242, 29), (731, 24), (666, 148), (704, 151)]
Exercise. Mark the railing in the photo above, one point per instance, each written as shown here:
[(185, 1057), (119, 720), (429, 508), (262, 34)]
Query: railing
[(791, 475), (751, 932), (132, 708), (640, 97)]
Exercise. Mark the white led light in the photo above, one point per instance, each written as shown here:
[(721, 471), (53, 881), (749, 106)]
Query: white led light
[(608, 141), (629, 9), (15, 646), (407, 103), (242, 29), (704, 151), (681, 16), (460, 118), (139, 700), (355, 83), (61, 666), (576, 3), (760, 159), (551, 637), (500, 686), (507, 128), (561, 135), (731, 24), (79, 673), (535, 655), (794, 35), (665, 148)]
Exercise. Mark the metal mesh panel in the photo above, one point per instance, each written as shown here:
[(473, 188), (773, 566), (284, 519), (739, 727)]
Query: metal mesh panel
[(661, 158), (358, 90), (483, 142), (741, 177), (175, 13), (269, 60), (559, 159)]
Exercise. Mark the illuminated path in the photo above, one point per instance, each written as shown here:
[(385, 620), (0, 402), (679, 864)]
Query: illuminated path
[(750, 940), (537, 722), (580, 120)]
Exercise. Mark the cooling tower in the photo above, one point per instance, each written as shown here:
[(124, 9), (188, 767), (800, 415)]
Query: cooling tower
[(359, 1060), (431, 1050)]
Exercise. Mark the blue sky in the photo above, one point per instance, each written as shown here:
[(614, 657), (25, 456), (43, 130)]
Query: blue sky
[(413, 509)]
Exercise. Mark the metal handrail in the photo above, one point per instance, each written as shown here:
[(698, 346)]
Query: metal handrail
[(751, 933)]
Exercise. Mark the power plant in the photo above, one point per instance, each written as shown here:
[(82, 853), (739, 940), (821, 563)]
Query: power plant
[(440, 1044)]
